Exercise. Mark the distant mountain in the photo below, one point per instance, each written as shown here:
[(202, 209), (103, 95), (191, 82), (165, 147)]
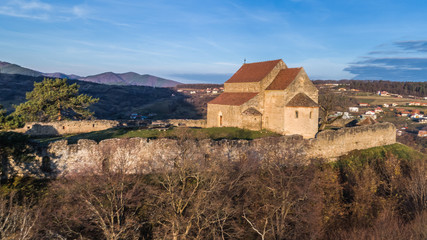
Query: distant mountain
[(9, 68), (130, 78), (115, 102), (110, 78), (61, 75)]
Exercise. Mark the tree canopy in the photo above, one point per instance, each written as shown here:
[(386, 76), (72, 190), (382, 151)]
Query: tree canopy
[(55, 99), (9, 121)]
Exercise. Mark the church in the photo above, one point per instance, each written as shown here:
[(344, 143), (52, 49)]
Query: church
[(267, 95)]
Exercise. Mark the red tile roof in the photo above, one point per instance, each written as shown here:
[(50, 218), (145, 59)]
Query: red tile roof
[(283, 79), (253, 72), (235, 99)]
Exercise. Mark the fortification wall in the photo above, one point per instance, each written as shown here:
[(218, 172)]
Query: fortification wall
[(200, 123), (140, 155), (331, 144), (66, 127)]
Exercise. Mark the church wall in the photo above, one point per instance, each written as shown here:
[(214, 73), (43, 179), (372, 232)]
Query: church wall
[(301, 84), (252, 122), (242, 87), (273, 111), (231, 115), (301, 120)]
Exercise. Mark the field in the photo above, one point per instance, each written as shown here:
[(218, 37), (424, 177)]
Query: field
[(378, 100)]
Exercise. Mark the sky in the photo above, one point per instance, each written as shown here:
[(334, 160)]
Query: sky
[(207, 41)]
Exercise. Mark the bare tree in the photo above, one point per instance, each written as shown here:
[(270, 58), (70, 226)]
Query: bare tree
[(16, 221), (328, 103)]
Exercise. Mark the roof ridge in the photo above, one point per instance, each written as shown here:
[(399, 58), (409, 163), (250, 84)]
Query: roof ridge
[(276, 60), (253, 72)]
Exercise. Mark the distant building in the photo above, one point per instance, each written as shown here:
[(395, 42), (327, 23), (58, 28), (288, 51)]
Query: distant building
[(386, 105), (373, 116), (416, 115), (405, 113), (363, 104), (414, 104), (383, 93), (353, 109), (378, 110), (422, 133), (370, 113)]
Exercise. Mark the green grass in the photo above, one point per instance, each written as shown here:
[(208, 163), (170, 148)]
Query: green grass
[(359, 158), (197, 133)]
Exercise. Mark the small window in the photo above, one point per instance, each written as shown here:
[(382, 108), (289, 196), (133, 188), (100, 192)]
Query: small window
[(296, 114), (63, 127), (310, 114)]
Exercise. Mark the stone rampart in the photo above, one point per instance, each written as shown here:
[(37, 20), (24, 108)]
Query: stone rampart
[(331, 144), (66, 127), (199, 123), (141, 155)]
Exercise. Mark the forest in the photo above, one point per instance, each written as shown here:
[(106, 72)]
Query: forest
[(378, 193)]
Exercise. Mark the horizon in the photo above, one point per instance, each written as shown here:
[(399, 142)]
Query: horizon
[(207, 42)]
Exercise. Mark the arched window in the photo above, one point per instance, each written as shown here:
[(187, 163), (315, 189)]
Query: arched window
[(220, 119), (296, 114)]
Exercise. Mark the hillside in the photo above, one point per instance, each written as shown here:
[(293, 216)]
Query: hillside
[(129, 78), (116, 102)]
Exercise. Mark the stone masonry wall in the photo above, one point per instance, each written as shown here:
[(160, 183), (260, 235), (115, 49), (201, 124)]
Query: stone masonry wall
[(66, 127), (200, 123), (140, 155), (330, 143)]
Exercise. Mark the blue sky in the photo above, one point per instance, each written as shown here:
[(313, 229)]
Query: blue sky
[(206, 41)]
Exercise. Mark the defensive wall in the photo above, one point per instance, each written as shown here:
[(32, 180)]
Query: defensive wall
[(140, 155), (334, 143), (66, 127), (199, 123)]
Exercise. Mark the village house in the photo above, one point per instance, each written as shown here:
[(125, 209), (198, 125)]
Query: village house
[(378, 110), (267, 95), (414, 104), (422, 133), (353, 109), (363, 104), (405, 113)]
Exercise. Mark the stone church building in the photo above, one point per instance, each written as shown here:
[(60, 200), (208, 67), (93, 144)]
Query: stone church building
[(267, 95)]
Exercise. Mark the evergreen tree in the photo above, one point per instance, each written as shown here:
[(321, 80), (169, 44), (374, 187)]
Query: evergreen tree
[(55, 100), (9, 121)]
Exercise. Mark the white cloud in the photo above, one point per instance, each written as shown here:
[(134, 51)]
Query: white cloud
[(26, 9), (32, 5), (79, 11)]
